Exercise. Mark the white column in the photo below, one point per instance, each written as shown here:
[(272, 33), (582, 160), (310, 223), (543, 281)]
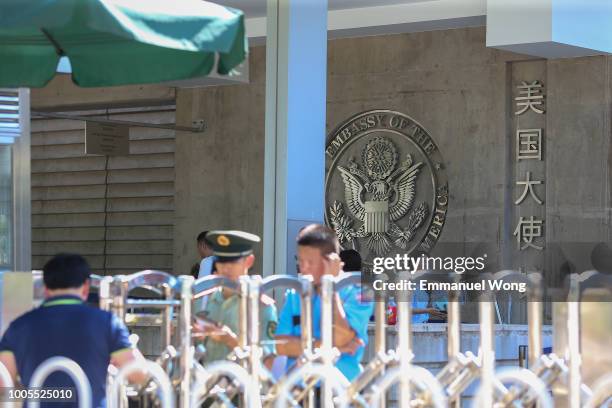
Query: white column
[(296, 71)]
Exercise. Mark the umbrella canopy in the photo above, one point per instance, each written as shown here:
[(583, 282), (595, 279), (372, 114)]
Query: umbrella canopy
[(117, 42)]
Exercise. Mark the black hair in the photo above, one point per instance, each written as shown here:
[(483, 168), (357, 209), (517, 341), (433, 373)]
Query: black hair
[(66, 271), (319, 236), (195, 270), (202, 237), (351, 259)]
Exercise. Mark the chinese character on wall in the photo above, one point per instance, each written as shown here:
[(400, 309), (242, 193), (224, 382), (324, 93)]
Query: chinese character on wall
[(529, 231)]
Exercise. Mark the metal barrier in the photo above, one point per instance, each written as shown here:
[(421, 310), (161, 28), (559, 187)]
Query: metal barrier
[(410, 374), (402, 371), (241, 354), (113, 294), (225, 368), (5, 377), (303, 286), (166, 395), (529, 387), (522, 376), (462, 368), (319, 364), (69, 367), (329, 375), (602, 392), (183, 382), (361, 388)]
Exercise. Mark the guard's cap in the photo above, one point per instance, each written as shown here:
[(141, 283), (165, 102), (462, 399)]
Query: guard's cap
[(231, 245)]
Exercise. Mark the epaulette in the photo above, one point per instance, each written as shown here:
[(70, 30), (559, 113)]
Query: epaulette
[(206, 292), (267, 300)]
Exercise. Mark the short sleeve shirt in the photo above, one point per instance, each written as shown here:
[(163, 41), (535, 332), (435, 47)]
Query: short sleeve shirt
[(65, 326), (419, 301), (225, 311), (357, 312), (206, 266)]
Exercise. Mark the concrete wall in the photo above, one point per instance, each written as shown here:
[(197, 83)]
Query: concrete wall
[(579, 156), (219, 173), (461, 92), (458, 89), (454, 86)]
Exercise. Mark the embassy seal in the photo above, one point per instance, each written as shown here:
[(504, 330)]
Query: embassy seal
[(386, 185)]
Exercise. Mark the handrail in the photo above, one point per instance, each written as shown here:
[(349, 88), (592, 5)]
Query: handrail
[(413, 374), (158, 374), (212, 281), (69, 367), (329, 375)]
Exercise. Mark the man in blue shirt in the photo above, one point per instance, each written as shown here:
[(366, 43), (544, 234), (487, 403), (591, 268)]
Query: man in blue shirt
[(205, 250), (318, 249), (65, 326), (422, 310)]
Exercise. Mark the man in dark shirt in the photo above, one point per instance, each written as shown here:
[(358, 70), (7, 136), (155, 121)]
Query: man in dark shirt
[(65, 326)]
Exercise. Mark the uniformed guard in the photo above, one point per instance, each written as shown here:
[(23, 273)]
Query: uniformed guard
[(234, 257), (317, 250)]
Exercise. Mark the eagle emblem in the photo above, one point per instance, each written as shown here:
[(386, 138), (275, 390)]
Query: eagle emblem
[(378, 193)]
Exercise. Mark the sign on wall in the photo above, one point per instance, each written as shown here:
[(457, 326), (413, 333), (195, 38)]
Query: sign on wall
[(107, 139), (529, 231), (386, 187)]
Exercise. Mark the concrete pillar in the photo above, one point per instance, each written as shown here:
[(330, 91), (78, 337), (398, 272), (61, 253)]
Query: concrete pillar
[(296, 71), (550, 28)]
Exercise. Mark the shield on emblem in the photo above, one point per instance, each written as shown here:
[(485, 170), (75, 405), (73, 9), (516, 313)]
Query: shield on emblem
[(376, 216)]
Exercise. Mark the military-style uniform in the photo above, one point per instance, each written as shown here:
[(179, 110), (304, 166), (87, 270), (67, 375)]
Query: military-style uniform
[(229, 246), (225, 311)]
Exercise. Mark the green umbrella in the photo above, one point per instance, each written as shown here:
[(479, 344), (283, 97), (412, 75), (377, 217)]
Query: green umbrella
[(116, 42)]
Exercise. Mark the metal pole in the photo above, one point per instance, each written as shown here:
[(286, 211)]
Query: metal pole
[(573, 342), (306, 327), (522, 354), (380, 334), (255, 350), (166, 329), (105, 293), (243, 315), (186, 348), (454, 334), (404, 346), (119, 297), (306, 312), (200, 128), (327, 334), (454, 325), (534, 320), (487, 349)]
